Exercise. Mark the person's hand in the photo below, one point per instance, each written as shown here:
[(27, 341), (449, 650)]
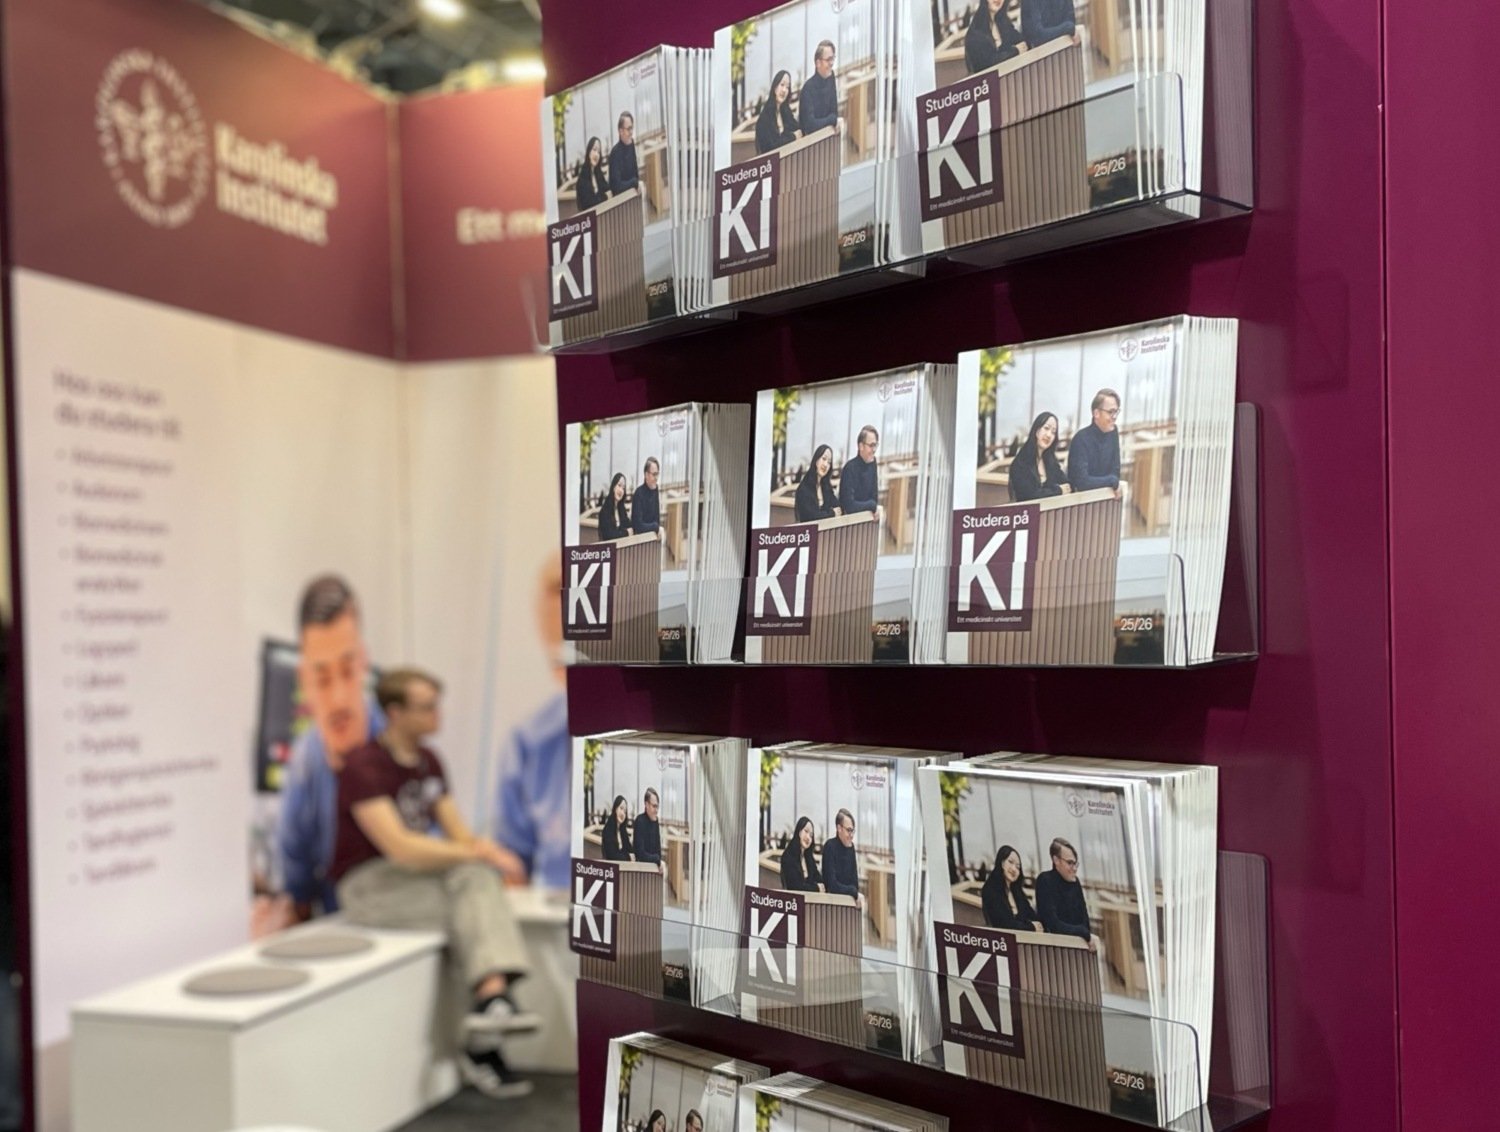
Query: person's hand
[(1037, 926), (1093, 944), (510, 867), (1077, 39), (271, 914), (1067, 489)]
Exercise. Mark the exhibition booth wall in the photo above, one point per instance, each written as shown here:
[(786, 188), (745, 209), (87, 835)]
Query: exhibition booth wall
[(265, 326)]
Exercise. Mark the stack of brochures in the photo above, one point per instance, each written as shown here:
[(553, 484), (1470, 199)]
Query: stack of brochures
[(660, 1085), (654, 534), (658, 861), (790, 1102), (1074, 900), (626, 174), (849, 519), (835, 869), (1091, 496)]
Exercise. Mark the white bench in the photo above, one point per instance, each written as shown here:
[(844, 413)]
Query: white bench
[(364, 1046)]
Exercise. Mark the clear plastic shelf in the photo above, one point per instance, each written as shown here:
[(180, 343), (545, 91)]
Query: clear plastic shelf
[(1049, 1031), (1070, 175), (1126, 609)]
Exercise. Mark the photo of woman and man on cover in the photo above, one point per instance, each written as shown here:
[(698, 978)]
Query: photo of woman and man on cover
[(657, 1094), (825, 826), (609, 139), (1046, 858), (849, 448), (635, 808), (1090, 414)]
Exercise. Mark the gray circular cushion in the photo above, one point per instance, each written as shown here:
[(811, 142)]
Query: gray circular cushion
[(318, 945), (224, 981)]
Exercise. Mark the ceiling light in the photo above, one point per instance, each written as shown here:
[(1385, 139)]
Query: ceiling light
[(523, 69), (448, 11)]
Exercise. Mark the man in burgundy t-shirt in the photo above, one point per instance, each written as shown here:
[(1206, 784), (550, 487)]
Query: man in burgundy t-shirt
[(405, 858)]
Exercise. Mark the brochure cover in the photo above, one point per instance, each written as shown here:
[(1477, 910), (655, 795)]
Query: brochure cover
[(610, 200), (658, 1085), (851, 479), (1049, 108), (656, 847), (790, 1102), (835, 864), (1078, 520), (810, 111), (653, 535)]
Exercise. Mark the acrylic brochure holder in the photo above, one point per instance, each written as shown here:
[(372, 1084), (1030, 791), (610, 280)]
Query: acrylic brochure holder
[(1041, 1029), (1064, 169), (1092, 601)]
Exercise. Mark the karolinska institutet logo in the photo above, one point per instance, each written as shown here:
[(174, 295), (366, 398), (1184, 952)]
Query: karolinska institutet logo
[(153, 139), (156, 147)]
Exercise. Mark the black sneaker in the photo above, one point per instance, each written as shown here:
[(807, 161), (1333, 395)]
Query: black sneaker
[(494, 1016), (488, 1073)]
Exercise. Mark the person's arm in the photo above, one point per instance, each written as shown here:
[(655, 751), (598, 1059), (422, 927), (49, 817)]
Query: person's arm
[(648, 843), (381, 822), (457, 830)]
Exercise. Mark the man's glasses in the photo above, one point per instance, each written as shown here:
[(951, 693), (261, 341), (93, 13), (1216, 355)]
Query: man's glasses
[(1071, 862), (1110, 413)]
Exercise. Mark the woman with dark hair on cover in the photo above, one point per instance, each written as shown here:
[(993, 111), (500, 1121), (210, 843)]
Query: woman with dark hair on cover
[(1004, 895), (799, 871), (617, 845), (776, 125), (816, 498), (1035, 472), (613, 521), (991, 37), (593, 185)]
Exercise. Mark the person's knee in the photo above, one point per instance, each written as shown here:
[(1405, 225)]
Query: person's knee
[(473, 875)]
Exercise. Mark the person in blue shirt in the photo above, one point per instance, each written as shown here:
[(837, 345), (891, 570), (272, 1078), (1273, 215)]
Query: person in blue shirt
[(1094, 452), (859, 482), (332, 673), (533, 793), (532, 796)]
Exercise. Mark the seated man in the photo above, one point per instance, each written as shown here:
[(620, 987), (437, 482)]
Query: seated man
[(392, 872)]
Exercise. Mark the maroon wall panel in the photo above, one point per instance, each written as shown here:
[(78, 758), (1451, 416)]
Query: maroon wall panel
[(1444, 299), (76, 78), (471, 208), (1303, 735)]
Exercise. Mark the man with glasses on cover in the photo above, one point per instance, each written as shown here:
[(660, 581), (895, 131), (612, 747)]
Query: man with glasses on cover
[(818, 102), (1059, 896), (840, 863), (1094, 452), (624, 172)]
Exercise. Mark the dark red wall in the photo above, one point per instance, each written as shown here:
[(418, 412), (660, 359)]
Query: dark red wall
[(475, 150), (1303, 736)]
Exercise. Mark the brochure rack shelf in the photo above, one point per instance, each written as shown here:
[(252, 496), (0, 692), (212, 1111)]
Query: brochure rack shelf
[(829, 1001), (1074, 601), (1051, 197)]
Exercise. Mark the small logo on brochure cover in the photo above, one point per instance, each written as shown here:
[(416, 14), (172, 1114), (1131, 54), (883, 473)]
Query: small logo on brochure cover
[(773, 931), (596, 901), (1076, 805), (588, 604), (782, 560), (1133, 348), (572, 256), (958, 138), (746, 215), (152, 138), (993, 571)]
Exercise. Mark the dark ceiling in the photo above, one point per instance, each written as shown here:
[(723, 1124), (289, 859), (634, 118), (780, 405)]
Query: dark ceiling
[(393, 44)]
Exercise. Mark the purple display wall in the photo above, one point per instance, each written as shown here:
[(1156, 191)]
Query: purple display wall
[(1303, 737), (1443, 298)]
